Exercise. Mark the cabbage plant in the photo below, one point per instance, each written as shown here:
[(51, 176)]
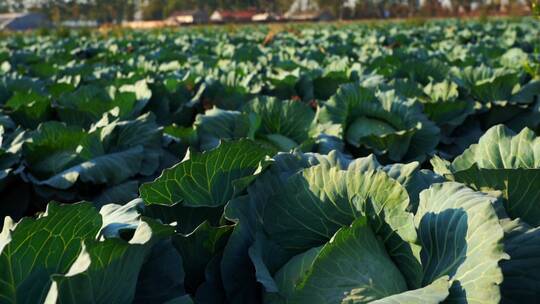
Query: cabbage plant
[(380, 122), (319, 229)]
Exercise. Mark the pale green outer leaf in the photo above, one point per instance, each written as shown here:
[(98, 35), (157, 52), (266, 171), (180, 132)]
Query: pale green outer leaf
[(408, 175), (41, 247), (322, 192), (443, 105), (514, 58), (413, 179), (461, 237), (510, 163), (434, 293), (442, 91), (441, 166), (520, 189), (120, 217), (353, 267), (5, 234), (208, 179), (364, 164), (504, 161), (501, 148)]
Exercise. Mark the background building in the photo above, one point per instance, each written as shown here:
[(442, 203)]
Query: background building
[(22, 21), (189, 17)]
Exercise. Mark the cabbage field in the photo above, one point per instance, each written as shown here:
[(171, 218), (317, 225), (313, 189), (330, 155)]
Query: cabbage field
[(338, 163)]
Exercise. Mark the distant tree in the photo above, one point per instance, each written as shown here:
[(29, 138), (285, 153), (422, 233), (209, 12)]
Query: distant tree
[(431, 7), (465, 5), (54, 10), (175, 5), (413, 7), (154, 9), (334, 6), (4, 8), (281, 6)]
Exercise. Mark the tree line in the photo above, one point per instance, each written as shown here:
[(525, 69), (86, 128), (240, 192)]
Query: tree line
[(116, 11)]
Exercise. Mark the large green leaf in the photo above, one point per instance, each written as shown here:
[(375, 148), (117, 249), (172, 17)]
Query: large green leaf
[(208, 179), (461, 237), (35, 249), (510, 163), (61, 258), (410, 176), (444, 105), (217, 124), (315, 203), (278, 186), (162, 275), (113, 263), (29, 108), (505, 161), (238, 270), (198, 249), (352, 267)]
